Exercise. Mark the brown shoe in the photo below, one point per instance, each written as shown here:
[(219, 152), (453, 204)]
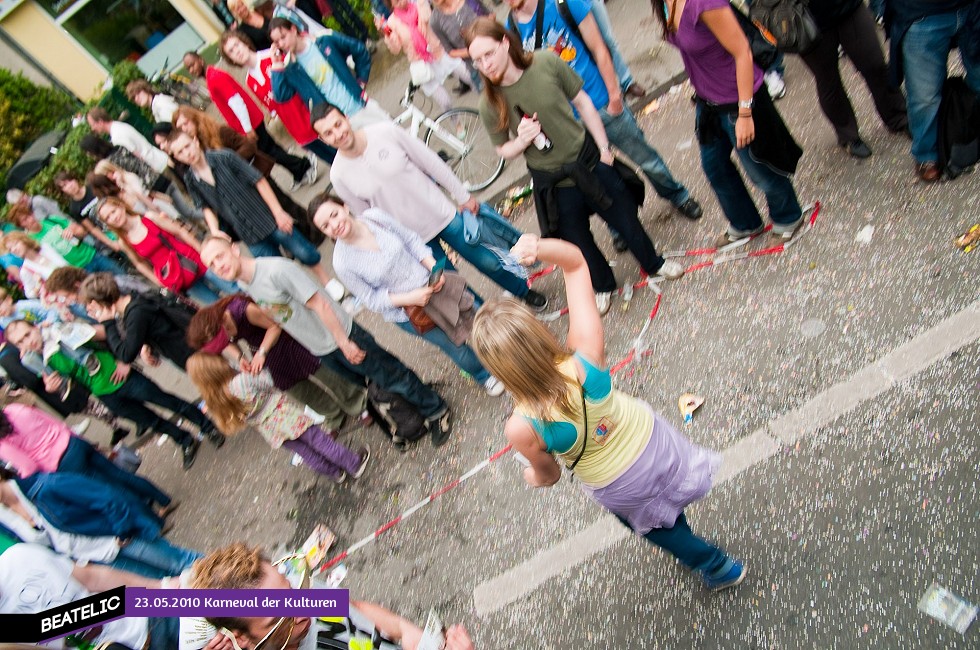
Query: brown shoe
[(636, 90), (929, 172)]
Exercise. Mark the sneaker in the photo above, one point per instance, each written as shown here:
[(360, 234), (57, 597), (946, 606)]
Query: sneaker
[(732, 235), (671, 270), (335, 289), (690, 209), (462, 89), (857, 148), (340, 478), (365, 454), (118, 434), (190, 454), (439, 427), (493, 387), (214, 436), (731, 578), (312, 173), (603, 300), (618, 241), (81, 427), (365, 419), (785, 232), (535, 300), (775, 84)]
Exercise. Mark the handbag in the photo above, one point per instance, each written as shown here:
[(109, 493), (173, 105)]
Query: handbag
[(178, 272), (761, 41), (420, 320), (789, 22)]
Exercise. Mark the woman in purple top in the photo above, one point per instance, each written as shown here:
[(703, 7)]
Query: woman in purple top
[(294, 369), (732, 112)]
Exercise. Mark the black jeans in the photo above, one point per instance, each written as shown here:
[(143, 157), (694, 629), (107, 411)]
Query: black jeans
[(859, 38), (296, 165), (573, 226), (386, 370), (131, 399)]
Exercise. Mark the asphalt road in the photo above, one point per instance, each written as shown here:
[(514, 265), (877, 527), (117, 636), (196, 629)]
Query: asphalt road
[(846, 498)]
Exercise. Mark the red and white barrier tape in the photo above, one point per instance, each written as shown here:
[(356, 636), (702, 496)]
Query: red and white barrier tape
[(411, 511), (637, 349)]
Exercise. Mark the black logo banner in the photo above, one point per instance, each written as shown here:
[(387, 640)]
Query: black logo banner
[(65, 619)]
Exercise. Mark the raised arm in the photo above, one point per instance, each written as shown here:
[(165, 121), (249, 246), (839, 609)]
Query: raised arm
[(584, 323)]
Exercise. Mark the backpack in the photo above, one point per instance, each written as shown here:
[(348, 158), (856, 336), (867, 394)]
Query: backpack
[(396, 417), (761, 41), (175, 308), (563, 11), (959, 128), (789, 21)]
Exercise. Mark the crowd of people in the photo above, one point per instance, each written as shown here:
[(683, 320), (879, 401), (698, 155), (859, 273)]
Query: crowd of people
[(186, 251)]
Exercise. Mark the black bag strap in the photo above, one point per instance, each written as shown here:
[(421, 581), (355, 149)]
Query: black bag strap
[(585, 432), (566, 15), (538, 25)]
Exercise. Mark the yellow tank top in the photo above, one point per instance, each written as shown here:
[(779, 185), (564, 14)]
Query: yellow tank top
[(618, 427)]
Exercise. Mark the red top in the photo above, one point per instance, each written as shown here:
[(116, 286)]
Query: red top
[(157, 249), (294, 114), (223, 87)]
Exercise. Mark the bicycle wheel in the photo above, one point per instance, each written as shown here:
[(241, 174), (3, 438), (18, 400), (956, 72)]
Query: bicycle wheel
[(477, 163)]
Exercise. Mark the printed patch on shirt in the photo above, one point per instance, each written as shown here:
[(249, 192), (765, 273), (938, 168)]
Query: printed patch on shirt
[(603, 431), (281, 312)]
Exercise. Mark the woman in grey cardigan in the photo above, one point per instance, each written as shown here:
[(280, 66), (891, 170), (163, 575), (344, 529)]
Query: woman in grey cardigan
[(387, 266)]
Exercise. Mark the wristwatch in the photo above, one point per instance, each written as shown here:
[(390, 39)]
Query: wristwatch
[(749, 103)]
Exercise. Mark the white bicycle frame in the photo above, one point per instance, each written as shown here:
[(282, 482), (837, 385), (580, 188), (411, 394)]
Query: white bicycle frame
[(420, 119)]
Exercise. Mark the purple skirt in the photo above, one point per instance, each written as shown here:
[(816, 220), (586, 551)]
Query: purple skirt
[(670, 473)]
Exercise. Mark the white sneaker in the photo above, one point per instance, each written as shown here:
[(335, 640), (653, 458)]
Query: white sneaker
[(81, 427), (312, 173), (493, 387), (603, 301), (775, 84), (671, 270)]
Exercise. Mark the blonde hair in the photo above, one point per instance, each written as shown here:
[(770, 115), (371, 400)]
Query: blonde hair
[(22, 237), (522, 353), (233, 567), (211, 374)]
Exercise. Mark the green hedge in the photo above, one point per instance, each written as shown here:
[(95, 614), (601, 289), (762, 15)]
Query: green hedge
[(26, 112)]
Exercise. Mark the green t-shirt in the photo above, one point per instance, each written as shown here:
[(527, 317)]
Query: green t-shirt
[(546, 88), (98, 384), (76, 253)]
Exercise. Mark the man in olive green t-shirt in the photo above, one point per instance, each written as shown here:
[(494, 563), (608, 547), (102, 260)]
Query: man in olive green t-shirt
[(123, 389), (527, 109)]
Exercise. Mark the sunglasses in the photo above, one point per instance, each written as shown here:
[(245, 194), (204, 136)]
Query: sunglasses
[(297, 572)]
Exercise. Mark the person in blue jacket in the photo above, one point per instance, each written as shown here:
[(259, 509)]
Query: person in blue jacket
[(316, 69)]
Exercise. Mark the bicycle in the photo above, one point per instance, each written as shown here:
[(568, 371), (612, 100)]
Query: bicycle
[(459, 138)]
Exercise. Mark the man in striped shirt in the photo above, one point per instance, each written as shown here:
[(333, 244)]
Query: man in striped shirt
[(233, 193)]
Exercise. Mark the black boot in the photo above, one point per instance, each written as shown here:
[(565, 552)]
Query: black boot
[(214, 436), (190, 454)]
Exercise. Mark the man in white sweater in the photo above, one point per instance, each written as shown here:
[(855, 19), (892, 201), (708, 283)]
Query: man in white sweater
[(382, 166), (125, 136)]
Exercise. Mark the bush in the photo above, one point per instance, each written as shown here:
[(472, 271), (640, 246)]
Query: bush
[(124, 72), (26, 112), (363, 10), (70, 157)]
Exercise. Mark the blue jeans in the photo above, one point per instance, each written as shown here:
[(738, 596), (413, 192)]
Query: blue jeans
[(925, 51), (483, 259), (102, 263), (727, 183), (690, 550), (207, 289), (294, 242), (164, 633), (462, 355), (387, 371), (82, 458), (156, 558), (623, 132), (623, 72)]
